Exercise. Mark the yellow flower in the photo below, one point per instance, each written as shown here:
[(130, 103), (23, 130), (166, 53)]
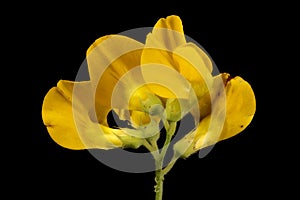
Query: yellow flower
[(163, 79), (232, 112), (75, 113)]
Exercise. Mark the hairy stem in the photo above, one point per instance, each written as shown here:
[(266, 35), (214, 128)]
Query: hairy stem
[(159, 161)]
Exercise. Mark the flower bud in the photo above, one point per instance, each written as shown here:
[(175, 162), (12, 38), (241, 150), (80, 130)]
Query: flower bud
[(173, 110), (176, 109), (152, 105)]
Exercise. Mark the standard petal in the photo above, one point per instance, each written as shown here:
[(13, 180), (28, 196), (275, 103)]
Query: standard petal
[(166, 47), (166, 35), (107, 49), (167, 32), (69, 123), (172, 22), (109, 59)]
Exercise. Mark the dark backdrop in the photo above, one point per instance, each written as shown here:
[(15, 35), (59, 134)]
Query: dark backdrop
[(51, 41)]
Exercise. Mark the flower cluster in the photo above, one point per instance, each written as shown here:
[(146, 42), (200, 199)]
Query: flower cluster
[(147, 85)]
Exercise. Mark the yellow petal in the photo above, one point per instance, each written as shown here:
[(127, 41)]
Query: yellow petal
[(165, 82), (109, 58), (101, 113), (167, 31), (193, 62), (240, 107), (203, 137), (139, 118), (142, 99), (166, 47), (206, 95), (83, 93), (166, 35), (142, 104), (206, 135), (196, 67), (59, 120), (239, 110), (69, 123), (172, 22), (204, 104), (115, 61), (106, 50), (96, 44)]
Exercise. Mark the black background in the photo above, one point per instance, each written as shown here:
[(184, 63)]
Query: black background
[(51, 41)]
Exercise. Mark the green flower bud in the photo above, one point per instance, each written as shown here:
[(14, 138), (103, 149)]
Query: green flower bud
[(176, 109), (152, 105), (173, 110), (156, 109)]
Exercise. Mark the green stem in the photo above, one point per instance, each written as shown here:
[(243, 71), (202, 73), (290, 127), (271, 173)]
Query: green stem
[(159, 173), (169, 166), (159, 179), (152, 149)]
